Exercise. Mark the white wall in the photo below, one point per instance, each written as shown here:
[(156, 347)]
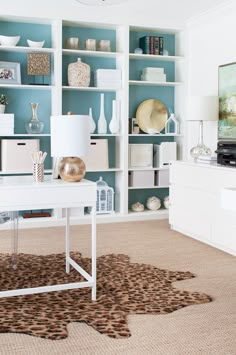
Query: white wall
[(135, 12), (211, 42)]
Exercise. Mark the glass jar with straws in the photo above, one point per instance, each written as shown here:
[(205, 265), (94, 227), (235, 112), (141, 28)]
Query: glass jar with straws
[(38, 165)]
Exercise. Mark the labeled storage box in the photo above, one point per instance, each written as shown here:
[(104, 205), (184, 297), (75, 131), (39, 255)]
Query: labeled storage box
[(164, 153), (6, 124), (141, 178), (140, 155), (15, 155), (97, 158), (162, 178)]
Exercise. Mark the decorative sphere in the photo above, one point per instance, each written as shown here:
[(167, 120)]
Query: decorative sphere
[(72, 169), (138, 51), (137, 207), (153, 203), (166, 202)]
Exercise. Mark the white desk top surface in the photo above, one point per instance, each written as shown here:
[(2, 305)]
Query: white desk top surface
[(27, 182)]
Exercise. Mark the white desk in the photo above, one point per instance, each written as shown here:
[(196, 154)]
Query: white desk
[(21, 193)]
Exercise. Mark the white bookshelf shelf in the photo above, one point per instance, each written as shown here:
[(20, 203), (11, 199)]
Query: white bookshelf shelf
[(99, 54), (147, 187), (21, 49), (153, 83), (167, 58), (89, 88), (26, 87), (155, 135), (147, 169)]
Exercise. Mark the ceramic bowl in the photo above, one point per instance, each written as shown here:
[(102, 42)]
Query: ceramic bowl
[(35, 44), (152, 131), (9, 41)]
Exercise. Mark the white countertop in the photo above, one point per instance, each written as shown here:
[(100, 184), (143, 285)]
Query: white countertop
[(205, 165)]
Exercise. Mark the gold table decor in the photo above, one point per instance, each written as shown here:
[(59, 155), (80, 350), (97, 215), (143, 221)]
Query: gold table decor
[(151, 114)]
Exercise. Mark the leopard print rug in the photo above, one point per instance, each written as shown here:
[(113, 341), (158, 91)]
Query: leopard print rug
[(123, 288)]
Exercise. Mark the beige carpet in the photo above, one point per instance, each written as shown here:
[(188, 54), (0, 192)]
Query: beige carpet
[(203, 329)]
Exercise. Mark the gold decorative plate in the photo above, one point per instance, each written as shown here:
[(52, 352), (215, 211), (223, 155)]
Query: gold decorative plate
[(151, 116)]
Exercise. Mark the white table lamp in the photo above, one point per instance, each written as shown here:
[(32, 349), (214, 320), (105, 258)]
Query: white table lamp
[(202, 108), (70, 139)]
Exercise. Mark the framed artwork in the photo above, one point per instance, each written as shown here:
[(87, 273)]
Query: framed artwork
[(10, 73), (227, 101), (38, 63)]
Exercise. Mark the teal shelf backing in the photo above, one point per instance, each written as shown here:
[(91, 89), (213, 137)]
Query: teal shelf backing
[(19, 104), (141, 195), (157, 139), (86, 33), (79, 103), (34, 32), (169, 40), (94, 62), (138, 94), (22, 59), (136, 67)]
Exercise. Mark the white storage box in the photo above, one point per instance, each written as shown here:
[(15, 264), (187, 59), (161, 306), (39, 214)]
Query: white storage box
[(97, 158), (162, 178), (15, 155), (6, 123), (108, 78), (164, 153), (141, 178), (140, 155), (108, 74)]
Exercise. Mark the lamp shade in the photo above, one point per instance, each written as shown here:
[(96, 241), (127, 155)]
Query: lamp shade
[(70, 135), (203, 108)]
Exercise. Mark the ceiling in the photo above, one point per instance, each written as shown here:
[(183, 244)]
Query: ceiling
[(186, 9), (165, 11)]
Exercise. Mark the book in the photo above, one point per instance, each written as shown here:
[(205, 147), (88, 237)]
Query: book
[(144, 44), (156, 50), (151, 45), (161, 45)]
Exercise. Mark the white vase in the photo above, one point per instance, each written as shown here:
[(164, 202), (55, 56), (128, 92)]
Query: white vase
[(102, 123), (2, 108), (92, 124), (114, 124)]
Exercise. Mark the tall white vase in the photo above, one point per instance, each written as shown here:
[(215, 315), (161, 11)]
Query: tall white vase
[(92, 124), (102, 123), (114, 125)]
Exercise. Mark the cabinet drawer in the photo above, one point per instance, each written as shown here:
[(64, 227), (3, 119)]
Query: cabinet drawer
[(193, 224), (190, 198), (209, 179)]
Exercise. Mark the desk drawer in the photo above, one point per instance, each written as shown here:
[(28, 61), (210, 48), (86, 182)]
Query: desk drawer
[(47, 197)]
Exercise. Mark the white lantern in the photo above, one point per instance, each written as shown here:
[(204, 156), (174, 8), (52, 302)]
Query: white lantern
[(105, 197)]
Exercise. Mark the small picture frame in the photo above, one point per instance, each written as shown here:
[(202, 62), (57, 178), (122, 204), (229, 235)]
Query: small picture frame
[(10, 73)]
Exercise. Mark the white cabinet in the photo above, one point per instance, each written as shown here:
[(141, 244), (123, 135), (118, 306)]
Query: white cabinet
[(195, 203)]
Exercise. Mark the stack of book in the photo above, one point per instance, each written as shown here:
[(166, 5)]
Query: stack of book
[(153, 74), (152, 45), (108, 78)]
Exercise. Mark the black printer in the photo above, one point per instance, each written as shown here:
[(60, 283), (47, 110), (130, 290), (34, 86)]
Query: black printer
[(226, 153)]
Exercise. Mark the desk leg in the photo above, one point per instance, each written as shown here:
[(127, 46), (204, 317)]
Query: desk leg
[(94, 269), (14, 238), (67, 240)]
